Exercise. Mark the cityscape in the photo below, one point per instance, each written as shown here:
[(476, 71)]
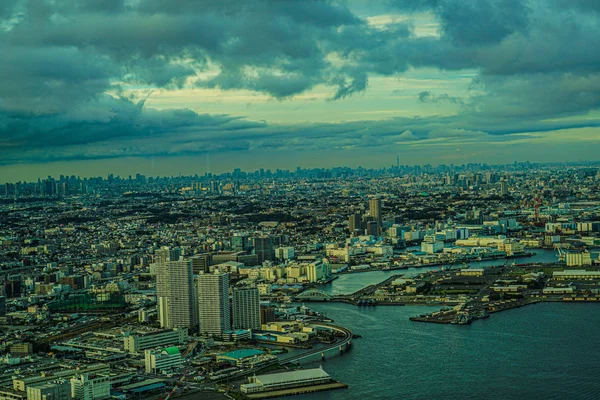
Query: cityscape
[(159, 287), (313, 199)]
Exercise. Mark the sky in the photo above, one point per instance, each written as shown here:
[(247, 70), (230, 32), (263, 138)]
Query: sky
[(165, 87)]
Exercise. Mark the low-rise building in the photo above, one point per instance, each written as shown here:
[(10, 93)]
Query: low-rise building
[(134, 342), (157, 361), (285, 380)]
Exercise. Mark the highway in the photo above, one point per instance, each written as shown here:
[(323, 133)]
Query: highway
[(347, 338)]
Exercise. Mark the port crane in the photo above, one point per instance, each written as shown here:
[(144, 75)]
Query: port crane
[(560, 252)]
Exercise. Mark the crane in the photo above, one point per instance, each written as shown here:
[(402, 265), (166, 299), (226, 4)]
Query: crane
[(560, 251)]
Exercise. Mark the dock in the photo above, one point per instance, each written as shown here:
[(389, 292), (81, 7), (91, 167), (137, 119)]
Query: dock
[(298, 390)]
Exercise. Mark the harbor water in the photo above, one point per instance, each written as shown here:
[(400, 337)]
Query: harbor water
[(542, 351)]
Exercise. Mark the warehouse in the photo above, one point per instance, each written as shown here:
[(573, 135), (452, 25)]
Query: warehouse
[(286, 380)]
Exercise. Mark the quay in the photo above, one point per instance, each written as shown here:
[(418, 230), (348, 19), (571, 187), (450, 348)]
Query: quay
[(300, 390)]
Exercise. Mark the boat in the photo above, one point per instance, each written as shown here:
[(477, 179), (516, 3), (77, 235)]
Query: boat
[(462, 319)]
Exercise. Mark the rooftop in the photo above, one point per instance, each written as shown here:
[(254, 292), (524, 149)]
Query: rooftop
[(298, 375), (243, 353)]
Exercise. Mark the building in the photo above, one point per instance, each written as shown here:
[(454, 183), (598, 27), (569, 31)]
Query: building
[(175, 294), (285, 253), (22, 348), (576, 259), (213, 303), (355, 224), (503, 188), (134, 342), (90, 387), (237, 357), (166, 254), (246, 308), (239, 242), (372, 229), (54, 390), (432, 247), (263, 248), (318, 271), (375, 212), (285, 380), (157, 361), (267, 314), (201, 263), (575, 274)]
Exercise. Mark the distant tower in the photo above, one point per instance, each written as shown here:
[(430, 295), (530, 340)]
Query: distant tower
[(375, 211), (503, 188), (246, 309), (355, 223), (263, 248), (213, 303), (175, 294)]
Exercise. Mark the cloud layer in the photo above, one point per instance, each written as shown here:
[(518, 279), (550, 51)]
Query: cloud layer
[(68, 68)]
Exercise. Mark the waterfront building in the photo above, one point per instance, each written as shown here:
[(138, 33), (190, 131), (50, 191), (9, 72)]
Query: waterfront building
[(175, 294), (246, 308), (213, 303), (285, 380), (576, 259)]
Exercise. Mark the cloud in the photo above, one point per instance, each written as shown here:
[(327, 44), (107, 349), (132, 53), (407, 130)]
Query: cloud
[(536, 62)]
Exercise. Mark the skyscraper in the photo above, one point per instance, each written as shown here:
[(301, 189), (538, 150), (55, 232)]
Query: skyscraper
[(355, 224), (213, 303), (246, 308), (263, 248), (375, 211), (175, 294)]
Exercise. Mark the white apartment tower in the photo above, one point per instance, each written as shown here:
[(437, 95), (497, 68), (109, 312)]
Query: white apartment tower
[(246, 308), (175, 294), (213, 303)]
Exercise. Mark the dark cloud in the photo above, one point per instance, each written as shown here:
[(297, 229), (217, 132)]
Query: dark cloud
[(536, 60)]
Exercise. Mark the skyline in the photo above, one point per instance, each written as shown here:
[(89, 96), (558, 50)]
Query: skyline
[(159, 88), (268, 173)]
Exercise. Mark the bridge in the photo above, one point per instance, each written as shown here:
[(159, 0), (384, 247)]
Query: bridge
[(318, 295)]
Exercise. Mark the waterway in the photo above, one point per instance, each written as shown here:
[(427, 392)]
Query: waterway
[(542, 351), (350, 283)]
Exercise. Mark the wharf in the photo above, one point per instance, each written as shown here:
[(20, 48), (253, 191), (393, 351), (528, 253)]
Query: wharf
[(299, 390), (441, 320), (499, 306)]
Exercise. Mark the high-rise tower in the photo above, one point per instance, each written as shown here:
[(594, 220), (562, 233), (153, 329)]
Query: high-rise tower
[(175, 294), (246, 308), (213, 303), (375, 211)]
